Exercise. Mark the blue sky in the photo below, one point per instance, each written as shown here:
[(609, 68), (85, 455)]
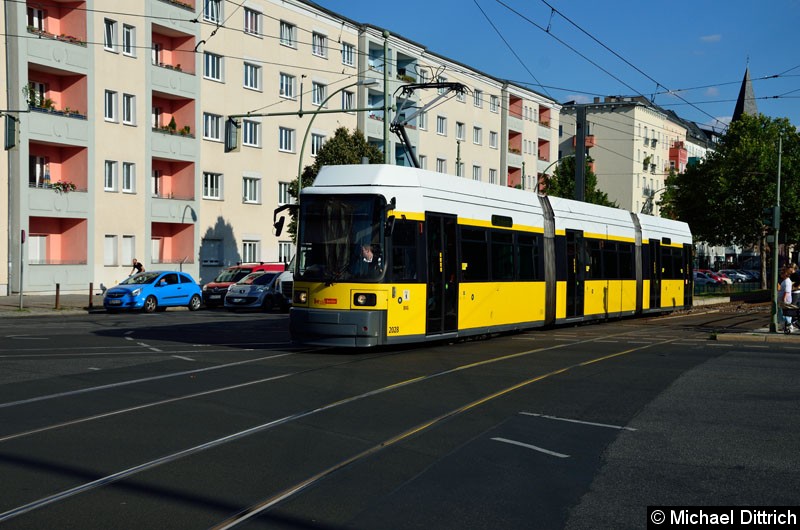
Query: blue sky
[(699, 48)]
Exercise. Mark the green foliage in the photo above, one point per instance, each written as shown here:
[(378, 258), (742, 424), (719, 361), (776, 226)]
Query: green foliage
[(342, 149), (562, 184), (724, 197)]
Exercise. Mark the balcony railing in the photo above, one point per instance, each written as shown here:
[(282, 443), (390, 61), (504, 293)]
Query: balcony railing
[(54, 186), (173, 196), (182, 5), (63, 38), (45, 261)]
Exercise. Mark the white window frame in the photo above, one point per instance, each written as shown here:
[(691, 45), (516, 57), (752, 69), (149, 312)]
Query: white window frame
[(129, 40), (36, 18), (212, 186), (492, 176), (212, 127), (251, 133), (128, 248), (477, 135), (441, 125), (348, 54), (212, 11), (128, 177), (319, 45), (319, 92), (285, 251), (251, 250), (128, 109), (423, 161), (252, 76), (283, 194), (110, 105), (252, 22), (494, 104), (110, 175), (288, 86), (477, 173), (251, 190), (317, 141), (110, 35), (477, 98), (460, 128), (493, 136), (286, 139), (213, 66), (441, 165), (348, 100), (288, 34), (422, 121)]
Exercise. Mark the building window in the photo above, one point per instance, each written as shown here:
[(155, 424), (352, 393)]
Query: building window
[(319, 45), (318, 93), (284, 251), (493, 139), (317, 140), (212, 11), (492, 176), (110, 106), (212, 186), (155, 183), (459, 169), (250, 133), (441, 125), (110, 251), (110, 35), (212, 66), (252, 76), (348, 54), (422, 120), (494, 103), (348, 100), (459, 130), (251, 252), (212, 127), (442, 79), (252, 21), (36, 18), (288, 34), (128, 249), (441, 165), (423, 161), (286, 139), (129, 109), (477, 98), (287, 86), (283, 193), (110, 176), (477, 173), (128, 177), (251, 190), (477, 135), (129, 40)]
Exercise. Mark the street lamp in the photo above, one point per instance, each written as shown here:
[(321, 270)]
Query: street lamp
[(544, 173), (647, 207), (360, 82)]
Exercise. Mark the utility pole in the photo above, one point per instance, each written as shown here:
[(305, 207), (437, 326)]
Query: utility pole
[(580, 153), (386, 120), (773, 326)]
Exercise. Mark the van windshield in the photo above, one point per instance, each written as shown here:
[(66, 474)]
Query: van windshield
[(232, 275)]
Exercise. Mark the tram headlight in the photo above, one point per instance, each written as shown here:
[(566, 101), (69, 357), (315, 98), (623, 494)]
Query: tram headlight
[(300, 297), (365, 299)]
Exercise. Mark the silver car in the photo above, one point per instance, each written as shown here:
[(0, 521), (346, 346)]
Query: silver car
[(255, 291)]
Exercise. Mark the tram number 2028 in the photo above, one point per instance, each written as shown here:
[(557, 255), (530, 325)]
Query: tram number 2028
[(394, 329)]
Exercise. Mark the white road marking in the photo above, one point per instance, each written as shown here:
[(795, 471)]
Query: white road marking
[(182, 357), (578, 421), (529, 446)]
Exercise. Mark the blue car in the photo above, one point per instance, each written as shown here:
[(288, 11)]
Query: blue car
[(152, 291)]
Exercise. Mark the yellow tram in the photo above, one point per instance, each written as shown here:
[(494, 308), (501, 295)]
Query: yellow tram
[(390, 254)]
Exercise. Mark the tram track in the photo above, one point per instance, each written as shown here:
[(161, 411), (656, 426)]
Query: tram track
[(232, 437)]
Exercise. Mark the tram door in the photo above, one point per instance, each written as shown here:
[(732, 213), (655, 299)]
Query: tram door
[(688, 275), (442, 312), (655, 273), (576, 272)]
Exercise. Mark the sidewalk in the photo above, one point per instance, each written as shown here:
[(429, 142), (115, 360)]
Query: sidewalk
[(45, 304)]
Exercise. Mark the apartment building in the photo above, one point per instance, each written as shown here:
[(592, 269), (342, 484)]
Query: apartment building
[(122, 155)]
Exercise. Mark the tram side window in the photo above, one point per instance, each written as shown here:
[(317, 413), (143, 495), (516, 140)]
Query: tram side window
[(529, 257), (502, 256), (595, 270), (626, 261), (474, 255), (611, 260), (672, 263), (404, 251)]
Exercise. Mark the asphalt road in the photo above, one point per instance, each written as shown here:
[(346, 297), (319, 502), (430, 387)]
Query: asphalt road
[(212, 420)]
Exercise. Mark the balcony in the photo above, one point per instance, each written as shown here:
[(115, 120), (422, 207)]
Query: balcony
[(590, 141), (183, 4), (172, 243), (57, 241), (59, 34)]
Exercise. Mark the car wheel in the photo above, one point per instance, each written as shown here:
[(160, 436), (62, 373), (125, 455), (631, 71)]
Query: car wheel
[(268, 304), (194, 303), (150, 304)]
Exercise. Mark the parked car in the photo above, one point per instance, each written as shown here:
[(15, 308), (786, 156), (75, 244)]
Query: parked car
[(214, 292), (734, 275), (720, 278), (153, 291), (701, 278), (257, 290)]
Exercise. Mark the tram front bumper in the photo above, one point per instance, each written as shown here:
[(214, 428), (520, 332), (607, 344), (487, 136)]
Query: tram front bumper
[(344, 329)]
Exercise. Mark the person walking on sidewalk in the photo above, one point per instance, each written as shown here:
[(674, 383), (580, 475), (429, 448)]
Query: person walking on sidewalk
[(785, 297)]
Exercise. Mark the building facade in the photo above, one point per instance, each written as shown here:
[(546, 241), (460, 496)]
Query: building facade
[(119, 149)]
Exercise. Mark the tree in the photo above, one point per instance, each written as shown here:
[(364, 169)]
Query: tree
[(724, 197), (562, 184), (343, 148)]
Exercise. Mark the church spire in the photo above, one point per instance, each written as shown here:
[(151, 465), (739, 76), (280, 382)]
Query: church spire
[(746, 103)]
